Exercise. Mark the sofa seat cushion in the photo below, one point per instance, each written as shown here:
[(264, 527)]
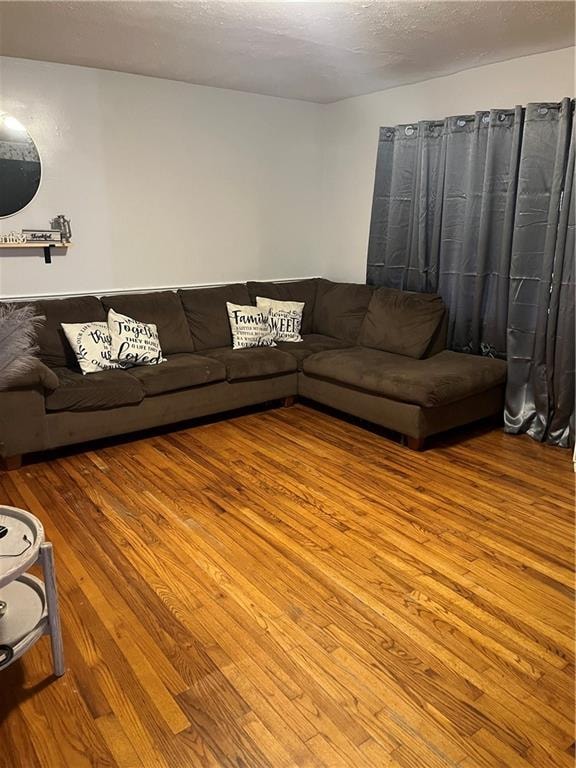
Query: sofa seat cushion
[(94, 391), (253, 362), (163, 309), (179, 372), (340, 309), (310, 344), (439, 380), (297, 290), (401, 321)]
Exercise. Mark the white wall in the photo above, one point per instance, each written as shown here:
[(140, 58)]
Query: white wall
[(165, 183), (173, 184), (350, 138)]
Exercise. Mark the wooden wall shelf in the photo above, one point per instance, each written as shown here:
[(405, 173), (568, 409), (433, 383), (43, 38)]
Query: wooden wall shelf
[(45, 247)]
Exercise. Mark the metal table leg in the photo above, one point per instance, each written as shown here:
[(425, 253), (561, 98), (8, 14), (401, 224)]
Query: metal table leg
[(47, 558)]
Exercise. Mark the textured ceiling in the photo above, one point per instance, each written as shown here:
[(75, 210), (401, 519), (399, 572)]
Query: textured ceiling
[(318, 51)]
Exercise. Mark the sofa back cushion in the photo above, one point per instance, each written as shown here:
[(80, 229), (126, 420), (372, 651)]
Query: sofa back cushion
[(438, 343), (207, 316), (299, 290), (402, 322), (340, 309), (161, 308), (54, 349)]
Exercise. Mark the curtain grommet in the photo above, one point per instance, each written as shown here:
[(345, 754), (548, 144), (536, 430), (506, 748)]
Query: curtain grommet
[(409, 130), (461, 122), (542, 110)]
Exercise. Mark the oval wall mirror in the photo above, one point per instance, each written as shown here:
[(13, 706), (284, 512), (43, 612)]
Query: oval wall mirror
[(20, 167)]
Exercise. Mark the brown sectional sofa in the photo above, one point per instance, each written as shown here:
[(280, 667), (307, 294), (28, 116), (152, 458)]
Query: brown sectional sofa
[(374, 353)]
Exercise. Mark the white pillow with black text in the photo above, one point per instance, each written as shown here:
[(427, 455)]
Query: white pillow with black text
[(285, 317), (92, 345), (133, 342), (250, 326)]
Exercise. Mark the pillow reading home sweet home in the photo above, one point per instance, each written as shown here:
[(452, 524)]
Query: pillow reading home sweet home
[(133, 343), (250, 326), (285, 317), (92, 346)]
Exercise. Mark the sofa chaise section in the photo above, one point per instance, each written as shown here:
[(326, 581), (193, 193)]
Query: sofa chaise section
[(442, 379), (416, 397), (398, 373)]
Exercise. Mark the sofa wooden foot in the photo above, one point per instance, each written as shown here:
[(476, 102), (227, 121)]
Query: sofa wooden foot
[(289, 401), (414, 443), (11, 462)]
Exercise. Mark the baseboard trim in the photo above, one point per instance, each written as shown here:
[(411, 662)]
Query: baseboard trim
[(149, 289)]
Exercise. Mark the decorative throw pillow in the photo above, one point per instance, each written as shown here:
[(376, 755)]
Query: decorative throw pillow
[(285, 317), (133, 343), (92, 345), (250, 326)]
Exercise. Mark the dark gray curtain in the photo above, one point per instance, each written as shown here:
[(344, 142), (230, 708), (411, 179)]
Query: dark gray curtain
[(405, 227), (561, 326), (468, 208), (442, 219), (482, 156), (540, 391)]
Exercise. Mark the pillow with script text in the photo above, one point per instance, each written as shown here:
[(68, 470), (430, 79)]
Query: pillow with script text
[(92, 345), (285, 317), (133, 343), (250, 326)]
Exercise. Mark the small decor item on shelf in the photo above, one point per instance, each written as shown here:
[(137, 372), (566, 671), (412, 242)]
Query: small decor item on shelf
[(42, 236), (12, 238), (61, 223)]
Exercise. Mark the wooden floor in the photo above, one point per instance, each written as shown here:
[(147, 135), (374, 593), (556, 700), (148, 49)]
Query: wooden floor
[(289, 589)]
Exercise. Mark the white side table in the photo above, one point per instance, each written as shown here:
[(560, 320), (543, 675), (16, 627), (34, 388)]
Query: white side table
[(28, 606)]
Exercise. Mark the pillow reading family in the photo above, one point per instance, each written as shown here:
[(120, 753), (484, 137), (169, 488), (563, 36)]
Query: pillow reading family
[(250, 326), (285, 317)]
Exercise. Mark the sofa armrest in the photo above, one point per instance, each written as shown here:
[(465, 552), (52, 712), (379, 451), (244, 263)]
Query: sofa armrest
[(36, 376), (22, 421)]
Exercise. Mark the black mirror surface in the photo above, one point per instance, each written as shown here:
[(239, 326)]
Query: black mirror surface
[(20, 168)]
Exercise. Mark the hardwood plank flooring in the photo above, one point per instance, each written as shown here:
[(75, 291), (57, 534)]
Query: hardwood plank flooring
[(285, 588)]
